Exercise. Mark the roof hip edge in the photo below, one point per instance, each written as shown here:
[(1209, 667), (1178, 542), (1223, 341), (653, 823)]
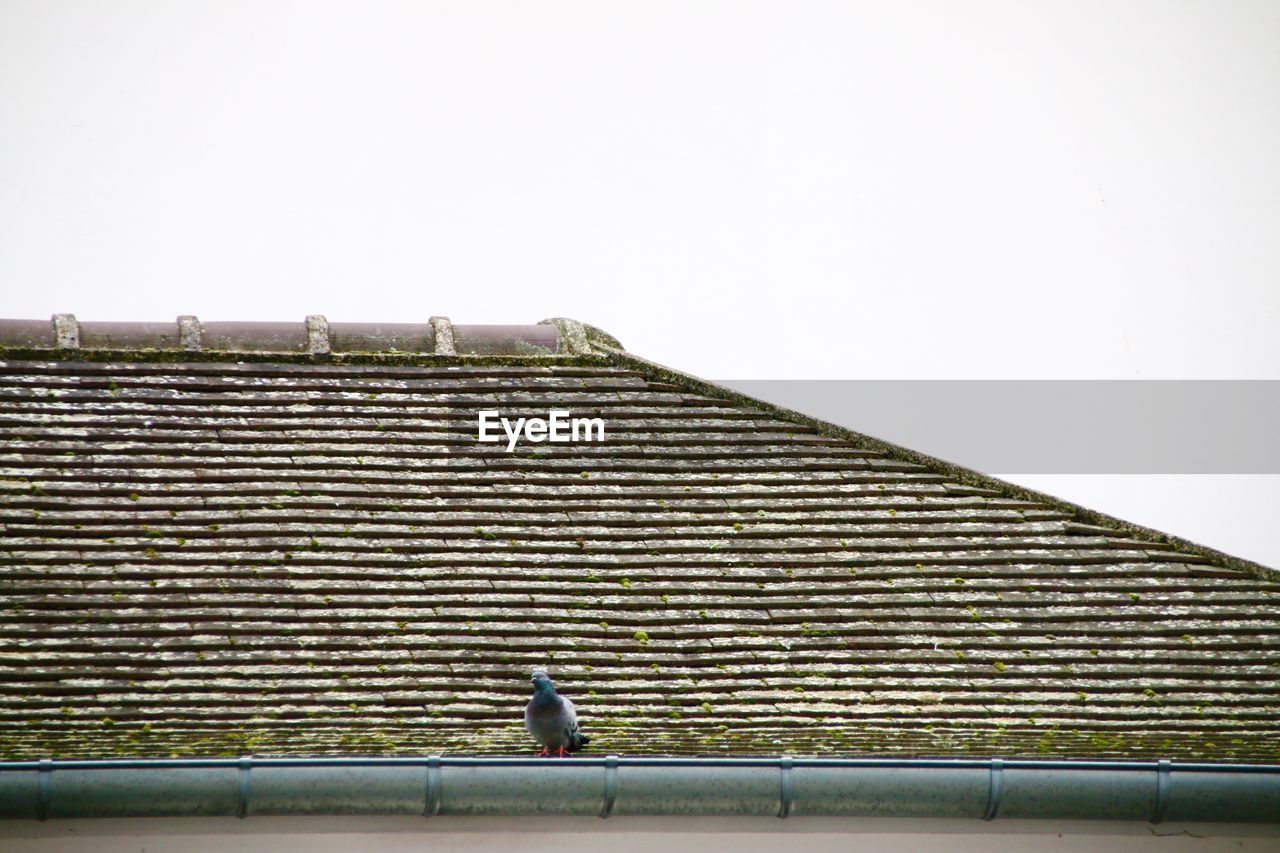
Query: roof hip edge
[(963, 475)]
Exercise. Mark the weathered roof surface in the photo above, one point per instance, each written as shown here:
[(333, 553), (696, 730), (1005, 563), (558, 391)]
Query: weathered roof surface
[(218, 557)]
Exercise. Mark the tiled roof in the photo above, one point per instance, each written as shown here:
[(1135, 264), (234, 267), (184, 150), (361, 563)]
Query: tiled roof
[(243, 554)]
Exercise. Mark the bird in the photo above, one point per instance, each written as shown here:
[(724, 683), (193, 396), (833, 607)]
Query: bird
[(551, 719)]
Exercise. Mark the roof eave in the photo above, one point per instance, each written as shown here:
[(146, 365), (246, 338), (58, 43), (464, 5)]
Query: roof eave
[(1151, 792)]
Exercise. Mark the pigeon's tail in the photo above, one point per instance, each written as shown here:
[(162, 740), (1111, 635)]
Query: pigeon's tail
[(578, 741)]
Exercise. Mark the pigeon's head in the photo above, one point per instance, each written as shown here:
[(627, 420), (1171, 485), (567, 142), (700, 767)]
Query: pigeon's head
[(541, 681)]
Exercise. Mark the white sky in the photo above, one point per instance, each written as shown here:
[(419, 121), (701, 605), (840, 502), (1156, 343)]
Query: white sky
[(739, 189)]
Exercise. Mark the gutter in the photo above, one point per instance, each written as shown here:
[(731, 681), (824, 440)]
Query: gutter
[(1151, 791)]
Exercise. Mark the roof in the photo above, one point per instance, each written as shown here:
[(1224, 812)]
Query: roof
[(302, 549)]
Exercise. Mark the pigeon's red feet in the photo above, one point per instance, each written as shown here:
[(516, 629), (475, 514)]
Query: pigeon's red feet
[(546, 753), (562, 753)]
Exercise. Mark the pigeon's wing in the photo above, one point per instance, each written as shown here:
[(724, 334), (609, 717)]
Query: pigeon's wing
[(571, 733), (550, 723), (577, 740)]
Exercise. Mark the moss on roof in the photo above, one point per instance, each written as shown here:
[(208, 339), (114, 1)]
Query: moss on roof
[(295, 555)]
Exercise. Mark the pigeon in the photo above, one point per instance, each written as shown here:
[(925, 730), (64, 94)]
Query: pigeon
[(551, 719)]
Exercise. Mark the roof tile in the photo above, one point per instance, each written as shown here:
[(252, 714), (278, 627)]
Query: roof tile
[(217, 557)]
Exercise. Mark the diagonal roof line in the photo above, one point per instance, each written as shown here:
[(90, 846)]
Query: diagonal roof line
[(564, 342), (963, 475)]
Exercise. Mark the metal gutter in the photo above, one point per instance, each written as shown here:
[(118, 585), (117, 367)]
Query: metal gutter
[(1151, 791)]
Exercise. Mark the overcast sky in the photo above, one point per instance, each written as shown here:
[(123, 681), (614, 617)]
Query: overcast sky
[(743, 190)]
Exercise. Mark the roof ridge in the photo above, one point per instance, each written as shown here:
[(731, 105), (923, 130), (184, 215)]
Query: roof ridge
[(558, 339), (314, 336)]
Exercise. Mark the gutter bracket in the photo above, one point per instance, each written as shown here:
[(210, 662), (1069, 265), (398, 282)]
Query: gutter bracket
[(996, 791), (431, 807), (44, 790), (1164, 778), (786, 786), (242, 807), (610, 784)]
